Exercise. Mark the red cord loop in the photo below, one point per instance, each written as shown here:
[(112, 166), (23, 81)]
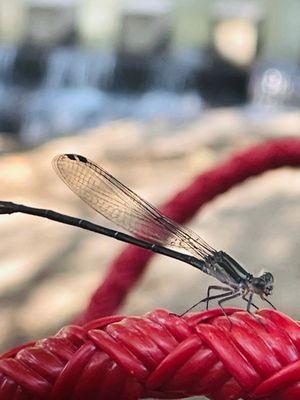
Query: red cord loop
[(161, 355)]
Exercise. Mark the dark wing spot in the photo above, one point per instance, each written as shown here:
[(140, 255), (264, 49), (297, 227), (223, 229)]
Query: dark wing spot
[(71, 156), (82, 159), (76, 157)]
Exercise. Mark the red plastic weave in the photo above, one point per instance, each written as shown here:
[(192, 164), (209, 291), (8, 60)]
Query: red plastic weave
[(127, 269), (163, 356)]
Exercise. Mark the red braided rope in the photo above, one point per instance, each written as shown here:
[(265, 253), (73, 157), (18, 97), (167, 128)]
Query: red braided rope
[(161, 355), (131, 263)]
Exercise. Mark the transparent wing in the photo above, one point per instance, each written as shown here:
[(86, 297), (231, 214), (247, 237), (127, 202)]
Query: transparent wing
[(116, 202)]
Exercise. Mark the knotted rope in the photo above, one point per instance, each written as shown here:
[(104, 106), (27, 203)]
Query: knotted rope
[(163, 355)]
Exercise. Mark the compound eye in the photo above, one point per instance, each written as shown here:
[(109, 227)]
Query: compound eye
[(269, 277)]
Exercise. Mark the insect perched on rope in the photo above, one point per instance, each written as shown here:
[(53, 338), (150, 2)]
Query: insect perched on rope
[(151, 229)]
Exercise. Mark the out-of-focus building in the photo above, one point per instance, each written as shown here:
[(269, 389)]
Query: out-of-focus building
[(94, 21), (98, 22)]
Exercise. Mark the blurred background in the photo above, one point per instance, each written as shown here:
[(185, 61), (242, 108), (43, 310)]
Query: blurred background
[(155, 92)]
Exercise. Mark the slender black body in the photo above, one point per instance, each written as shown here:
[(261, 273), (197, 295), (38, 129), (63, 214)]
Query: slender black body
[(10, 208), (152, 230)]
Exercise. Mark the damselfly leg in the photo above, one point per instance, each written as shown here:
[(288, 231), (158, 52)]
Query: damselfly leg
[(217, 296), (214, 287), (272, 305), (249, 302), (230, 297)]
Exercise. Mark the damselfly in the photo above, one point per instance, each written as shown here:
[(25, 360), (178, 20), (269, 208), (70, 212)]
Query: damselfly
[(151, 229)]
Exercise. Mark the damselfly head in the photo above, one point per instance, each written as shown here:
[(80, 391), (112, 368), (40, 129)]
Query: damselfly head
[(269, 281), (263, 285)]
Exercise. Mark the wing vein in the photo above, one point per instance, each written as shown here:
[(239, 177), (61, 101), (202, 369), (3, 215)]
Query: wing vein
[(119, 204)]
